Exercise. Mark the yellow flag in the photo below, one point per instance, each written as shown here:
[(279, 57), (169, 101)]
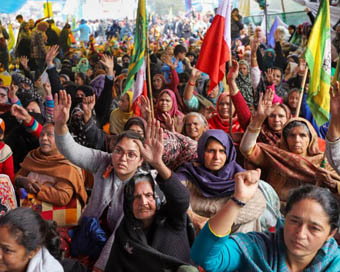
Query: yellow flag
[(11, 40), (48, 10)]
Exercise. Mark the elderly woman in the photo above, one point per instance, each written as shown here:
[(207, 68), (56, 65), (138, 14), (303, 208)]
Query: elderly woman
[(167, 112), (49, 175), (211, 183), (294, 161), (304, 243), (195, 125), (154, 246)]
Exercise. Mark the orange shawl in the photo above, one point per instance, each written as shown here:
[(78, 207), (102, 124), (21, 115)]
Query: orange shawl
[(55, 165)]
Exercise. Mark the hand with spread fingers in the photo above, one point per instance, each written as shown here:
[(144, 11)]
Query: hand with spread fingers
[(62, 106)]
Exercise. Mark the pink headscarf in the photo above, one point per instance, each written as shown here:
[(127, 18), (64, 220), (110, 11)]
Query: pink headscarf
[(174, 111)]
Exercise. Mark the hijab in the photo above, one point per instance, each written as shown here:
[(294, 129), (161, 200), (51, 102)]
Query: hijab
[(118, 118), (269, 136), (221, 183), (174, 111)]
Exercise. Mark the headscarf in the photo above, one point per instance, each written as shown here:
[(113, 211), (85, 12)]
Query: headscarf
[(82, 67), (118, 118), (136, 120), (313, 147), (220, 184), (56, 165), (269, 136), (174, 111), (244, 84), (131, 241), (220, 91), (216, 122), (269, 60)]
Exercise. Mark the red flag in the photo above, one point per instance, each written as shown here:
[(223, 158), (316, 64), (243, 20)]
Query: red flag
[(215, 50)]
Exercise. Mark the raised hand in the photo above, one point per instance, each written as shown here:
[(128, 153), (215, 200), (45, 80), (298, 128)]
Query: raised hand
[(233, 72), (195, 74), (152, 150), (270, 75), (169, 122), (145, 106), (88, 105), (20, 113), (51, 54), (12, 92), (265, 107), (334, 127), (62, 105), (246, 184), (47, 89), (108, 62)]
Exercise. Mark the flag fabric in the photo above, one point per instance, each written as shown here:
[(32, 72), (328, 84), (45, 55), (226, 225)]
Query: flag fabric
[(48, 10), (11, 40), (139, 48), (271, 36), (244, 7), (215, 50), (318, 58)]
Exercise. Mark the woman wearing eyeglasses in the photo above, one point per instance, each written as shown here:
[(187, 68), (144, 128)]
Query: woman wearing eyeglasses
[(110, 172)]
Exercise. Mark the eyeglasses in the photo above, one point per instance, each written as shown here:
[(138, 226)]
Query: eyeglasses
[(130, 155)]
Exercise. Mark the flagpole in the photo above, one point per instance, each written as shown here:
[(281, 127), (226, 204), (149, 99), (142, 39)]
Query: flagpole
[(149, 73), (302, 91), (266, 20)]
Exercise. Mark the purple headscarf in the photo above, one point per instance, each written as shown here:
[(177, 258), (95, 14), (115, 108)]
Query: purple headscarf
[(220, 184)]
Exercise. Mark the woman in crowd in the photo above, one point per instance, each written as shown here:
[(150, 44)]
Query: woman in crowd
[(119, 116), (304, 243), (195, 125), (211, 183), (26, 243), (167, 112), (49, 175), (271, 128), (297, 158), (155, 230), (243, 82), (110, 172)]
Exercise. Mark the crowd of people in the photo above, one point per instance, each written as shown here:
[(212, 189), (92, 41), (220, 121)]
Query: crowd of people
[(235, 178)]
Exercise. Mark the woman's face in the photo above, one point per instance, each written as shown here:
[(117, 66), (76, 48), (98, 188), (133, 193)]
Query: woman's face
[(165, 103), (194, 127), (47, 140), (157, 83), (78, 80), (224, 107), (124, 104), (244, 69), (293, 100), (298, 140), (306, 229), (13, 256), (214, 92), (277, 119), (126, 158), (214, 155), (3, 96)]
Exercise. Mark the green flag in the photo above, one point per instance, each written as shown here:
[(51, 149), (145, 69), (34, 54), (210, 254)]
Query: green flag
[(318, 58), (139, 46)]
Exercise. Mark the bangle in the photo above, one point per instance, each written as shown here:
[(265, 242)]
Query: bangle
[(191, 84), (238, 202), (254, 130)]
